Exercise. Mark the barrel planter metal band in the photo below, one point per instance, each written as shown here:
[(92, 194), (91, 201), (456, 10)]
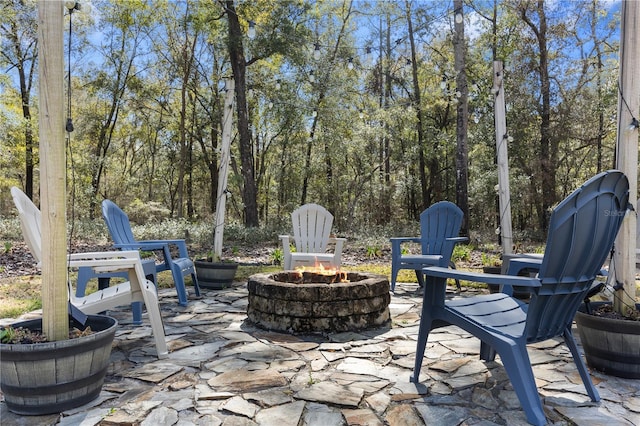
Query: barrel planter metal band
[(51, 377), (610, 345)]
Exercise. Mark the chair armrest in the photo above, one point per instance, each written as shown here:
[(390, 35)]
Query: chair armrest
[(140, 245), (438, 271), (339, 242), (396, 243), (458, 239), (286, 251), (106, 261), (150, 245), (286, 244), (405, 239), (180, 243), (518, 264), (97, 255)]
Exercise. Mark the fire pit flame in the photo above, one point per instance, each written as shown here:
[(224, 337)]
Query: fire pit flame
[(330, 275)]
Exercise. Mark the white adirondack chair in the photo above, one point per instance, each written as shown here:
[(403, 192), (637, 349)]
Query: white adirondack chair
[(137, 289), (312, 236)]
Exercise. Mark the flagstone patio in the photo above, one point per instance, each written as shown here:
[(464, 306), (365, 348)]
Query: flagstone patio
[(223, 370)]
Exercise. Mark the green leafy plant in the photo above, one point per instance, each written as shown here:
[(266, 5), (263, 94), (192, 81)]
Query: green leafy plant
[(462, 252), (374, 251), (7, 335), (12, 335), (490, 260), (311, 380), (277, 257), (7, 246)]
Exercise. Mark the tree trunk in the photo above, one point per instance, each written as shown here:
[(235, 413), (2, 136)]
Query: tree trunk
[(238, 65), (462, 109), (548, 151), (23, 59)]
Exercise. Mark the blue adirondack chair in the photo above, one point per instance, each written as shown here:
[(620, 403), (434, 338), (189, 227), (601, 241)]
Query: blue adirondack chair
[(582, 230), (439, 228), (120, 229)]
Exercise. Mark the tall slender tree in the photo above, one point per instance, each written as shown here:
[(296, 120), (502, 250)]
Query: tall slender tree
[(462, 112), (20, 51)]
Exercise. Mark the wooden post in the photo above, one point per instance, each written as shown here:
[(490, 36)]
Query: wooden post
[(627, 150), (55, 321), (223, 170), (504, 195)]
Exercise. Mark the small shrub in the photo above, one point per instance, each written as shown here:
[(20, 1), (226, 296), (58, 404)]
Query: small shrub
[(462, 252), (144, 212), (490, 259), (277, 256), (374, 251)]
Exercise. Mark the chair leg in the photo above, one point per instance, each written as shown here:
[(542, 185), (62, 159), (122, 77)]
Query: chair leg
[(394, 277), (420, 277), (153, 309), (582, 368), (423, 335), (452, 265), (136, 307), (487, 353), (516, 361), (178, 279), (194, 279)]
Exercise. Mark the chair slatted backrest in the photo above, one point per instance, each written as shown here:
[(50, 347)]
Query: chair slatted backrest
[(30, 222), (118, 223), (582, 230), (440, 221), (311, 228)]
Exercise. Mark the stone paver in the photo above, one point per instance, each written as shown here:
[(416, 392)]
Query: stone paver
[(222, 370)]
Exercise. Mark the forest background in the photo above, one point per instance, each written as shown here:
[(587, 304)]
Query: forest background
[(374, 109)]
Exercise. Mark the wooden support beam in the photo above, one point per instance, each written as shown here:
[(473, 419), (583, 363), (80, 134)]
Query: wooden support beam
[(627, 149), (55, 323)]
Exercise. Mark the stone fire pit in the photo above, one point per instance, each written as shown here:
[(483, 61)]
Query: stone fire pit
[(295, 301)]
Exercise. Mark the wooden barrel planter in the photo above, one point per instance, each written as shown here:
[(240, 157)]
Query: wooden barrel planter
[(215, 275), (51, 377), (610, 345)]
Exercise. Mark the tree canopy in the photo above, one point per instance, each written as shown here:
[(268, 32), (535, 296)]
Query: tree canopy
[(352, 104)]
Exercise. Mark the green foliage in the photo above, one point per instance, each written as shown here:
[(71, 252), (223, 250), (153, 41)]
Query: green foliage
[(462, 252), (7, 246), (277, 256), (489, 259), (144, 143), (374, 251), (7, 335), (141, 212)]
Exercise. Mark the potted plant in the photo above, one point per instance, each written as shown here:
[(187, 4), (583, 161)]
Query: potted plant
[(63, 372), (491, 263), (43, 377), (610, 338), (212, 271)]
